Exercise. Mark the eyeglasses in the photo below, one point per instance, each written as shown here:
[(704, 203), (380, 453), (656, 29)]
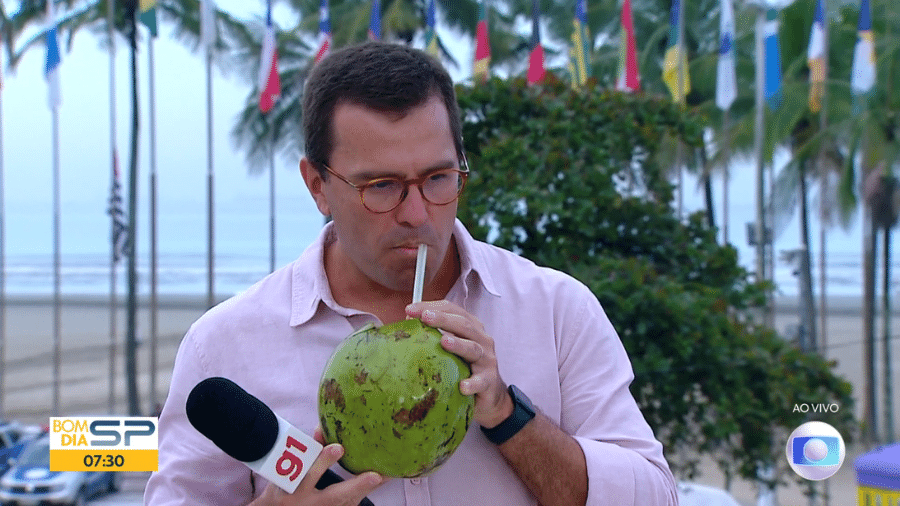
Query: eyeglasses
[(439, 187)]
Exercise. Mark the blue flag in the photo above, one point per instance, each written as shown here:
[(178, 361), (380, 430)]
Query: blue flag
[(773, 60), (375, 22), (324, 32), (51, 70)]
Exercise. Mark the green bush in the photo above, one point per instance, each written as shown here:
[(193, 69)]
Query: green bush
[(571, 180)]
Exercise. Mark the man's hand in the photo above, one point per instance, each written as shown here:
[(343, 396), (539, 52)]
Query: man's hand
[(345, 493), (464, 335)]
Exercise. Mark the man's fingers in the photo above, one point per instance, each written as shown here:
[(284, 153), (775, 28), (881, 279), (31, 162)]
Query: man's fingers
[(470, 351), (329, 457), (318, 435), (473, 385)]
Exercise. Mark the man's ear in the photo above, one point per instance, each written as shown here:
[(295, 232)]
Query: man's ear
[(314, 183)]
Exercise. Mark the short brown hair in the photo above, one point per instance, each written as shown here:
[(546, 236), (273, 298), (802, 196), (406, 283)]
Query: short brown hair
[(378, 75)]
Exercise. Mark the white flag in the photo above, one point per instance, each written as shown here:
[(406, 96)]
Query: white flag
[(863, 78), (726, 80)]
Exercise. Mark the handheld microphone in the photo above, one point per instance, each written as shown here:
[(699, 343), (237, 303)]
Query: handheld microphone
[(246, 429)]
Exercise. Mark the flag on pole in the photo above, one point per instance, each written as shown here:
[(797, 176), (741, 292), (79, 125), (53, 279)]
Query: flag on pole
[(120, 237), (815, 58), (773, 60), (51, 70), (375, 21), (324, 32), (629, 78), (480, 67), (726, 77), (580, 52), (863, 79), (148, 15), (269, 81), (431, 39), (208, 24), (536, 59), (676, 58)]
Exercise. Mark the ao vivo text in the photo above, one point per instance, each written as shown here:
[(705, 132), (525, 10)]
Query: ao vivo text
[(819, 407)]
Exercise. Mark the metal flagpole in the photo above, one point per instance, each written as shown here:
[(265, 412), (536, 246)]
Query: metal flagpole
[(726, 125), (2, 275), (682, 59), (52, 75), (153, 212), (57, 317), (113, 257), (823, 211), (210, 210), (272, 206), (760, 163)]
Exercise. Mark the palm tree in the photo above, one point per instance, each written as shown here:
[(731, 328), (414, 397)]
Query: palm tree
[(279, 131), (870, 136), (92, 15)]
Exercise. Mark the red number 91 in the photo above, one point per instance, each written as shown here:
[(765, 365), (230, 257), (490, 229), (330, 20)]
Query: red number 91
[(289, 463)]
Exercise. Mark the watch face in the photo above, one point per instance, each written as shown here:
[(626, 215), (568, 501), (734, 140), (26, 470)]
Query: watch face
[(521, 398)]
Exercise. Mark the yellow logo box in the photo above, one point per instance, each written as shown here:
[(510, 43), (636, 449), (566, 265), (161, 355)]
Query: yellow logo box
[(117, 460), (111, 443)]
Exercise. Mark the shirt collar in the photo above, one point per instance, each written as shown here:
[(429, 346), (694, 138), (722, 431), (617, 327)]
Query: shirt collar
[(310, 285)]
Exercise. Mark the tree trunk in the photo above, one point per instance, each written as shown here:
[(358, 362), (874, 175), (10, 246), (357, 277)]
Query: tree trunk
[(886, 344), (707, 187), (806, 293), (131, 335), (870, 410)]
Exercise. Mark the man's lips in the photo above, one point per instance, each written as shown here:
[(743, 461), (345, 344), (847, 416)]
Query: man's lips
[(408, 251), (414, 246)]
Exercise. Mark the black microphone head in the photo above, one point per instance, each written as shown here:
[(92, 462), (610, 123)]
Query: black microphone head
[(238, 423)]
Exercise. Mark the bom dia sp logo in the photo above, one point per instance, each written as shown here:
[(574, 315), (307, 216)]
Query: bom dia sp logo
[(815, 450), (113, 443)]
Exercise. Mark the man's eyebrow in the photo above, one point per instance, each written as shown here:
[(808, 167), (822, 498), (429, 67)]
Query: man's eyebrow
[(378, 174)]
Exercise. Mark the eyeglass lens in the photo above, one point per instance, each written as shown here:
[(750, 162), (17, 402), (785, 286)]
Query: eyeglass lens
[(439, 188)]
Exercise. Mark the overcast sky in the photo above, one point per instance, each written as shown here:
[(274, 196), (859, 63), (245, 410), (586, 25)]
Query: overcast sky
[(181, 135)]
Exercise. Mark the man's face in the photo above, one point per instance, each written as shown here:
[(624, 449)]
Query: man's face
[(369, 144)]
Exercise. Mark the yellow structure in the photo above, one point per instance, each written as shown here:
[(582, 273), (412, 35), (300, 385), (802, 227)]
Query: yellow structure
[(869, 496), (878, 476)]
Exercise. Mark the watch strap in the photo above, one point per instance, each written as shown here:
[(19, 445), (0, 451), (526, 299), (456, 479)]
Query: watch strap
[(523, 412)]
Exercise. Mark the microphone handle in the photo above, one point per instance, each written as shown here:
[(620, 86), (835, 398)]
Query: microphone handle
[(330, 478)]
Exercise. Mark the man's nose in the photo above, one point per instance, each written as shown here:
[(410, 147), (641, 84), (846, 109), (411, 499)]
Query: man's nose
[(413, 210)]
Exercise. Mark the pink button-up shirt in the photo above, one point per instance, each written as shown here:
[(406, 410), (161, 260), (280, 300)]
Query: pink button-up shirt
[(552, 340)]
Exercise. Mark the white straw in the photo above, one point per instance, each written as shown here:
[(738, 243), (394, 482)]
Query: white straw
[(420, 273)]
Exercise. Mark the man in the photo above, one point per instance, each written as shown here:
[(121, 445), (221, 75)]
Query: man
[(384, 159)]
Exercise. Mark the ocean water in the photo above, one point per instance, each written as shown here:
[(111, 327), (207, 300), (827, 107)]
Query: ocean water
[(242, 249)]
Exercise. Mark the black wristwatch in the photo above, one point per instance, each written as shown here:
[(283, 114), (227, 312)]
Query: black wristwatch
[(523, 412)]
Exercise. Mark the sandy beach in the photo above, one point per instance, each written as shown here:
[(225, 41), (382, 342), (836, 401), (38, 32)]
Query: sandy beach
[(85, 358), (85, 366)]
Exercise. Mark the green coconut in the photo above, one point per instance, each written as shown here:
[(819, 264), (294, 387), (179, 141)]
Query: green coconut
[(390, 396)]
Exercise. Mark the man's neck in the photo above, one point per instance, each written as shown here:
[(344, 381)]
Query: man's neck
[(388, 305)]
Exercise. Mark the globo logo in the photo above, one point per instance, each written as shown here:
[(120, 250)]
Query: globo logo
[(815, 450)]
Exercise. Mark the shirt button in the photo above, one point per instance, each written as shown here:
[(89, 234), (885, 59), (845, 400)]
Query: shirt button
[(415, 481)]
